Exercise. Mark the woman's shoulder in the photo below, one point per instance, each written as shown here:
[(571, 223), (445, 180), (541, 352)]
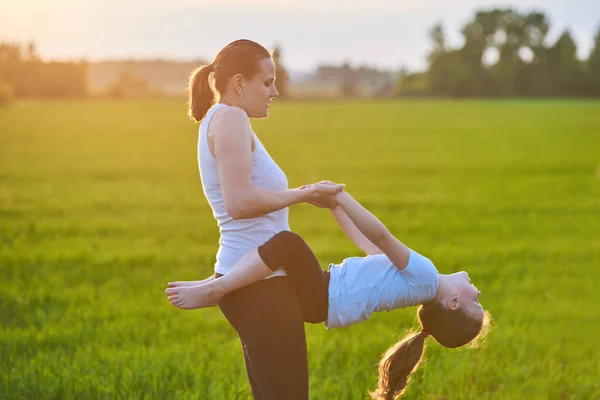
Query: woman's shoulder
[(227, 126), (229, 118)]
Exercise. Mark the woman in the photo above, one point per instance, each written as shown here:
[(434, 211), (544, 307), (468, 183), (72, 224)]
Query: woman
[(249, 196), (391, 276)]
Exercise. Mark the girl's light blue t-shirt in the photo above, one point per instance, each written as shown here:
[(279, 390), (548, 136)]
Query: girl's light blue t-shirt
[(360, 286)]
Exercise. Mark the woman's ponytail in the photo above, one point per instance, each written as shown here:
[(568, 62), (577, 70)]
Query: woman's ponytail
[(396, 365), (202, 97)]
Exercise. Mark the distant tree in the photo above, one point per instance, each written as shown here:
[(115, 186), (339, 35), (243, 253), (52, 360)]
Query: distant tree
[(478, 35), (593, 68), (282, 77), (29, 76), (413, 84), (448, 71), (536, 28), (127, 85), (32, 52), (10, 62), (6, 92), (525, 66), (10, 53), (438, 63), (511, 26), (534, 76), (565, 68), (350, 81), (439, 40)]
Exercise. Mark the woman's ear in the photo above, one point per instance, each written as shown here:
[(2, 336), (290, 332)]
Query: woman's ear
[(453, 301), (238, 81)]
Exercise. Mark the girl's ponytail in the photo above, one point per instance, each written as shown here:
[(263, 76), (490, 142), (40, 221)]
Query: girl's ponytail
[(396, 365), (450, 328), (202, 97)]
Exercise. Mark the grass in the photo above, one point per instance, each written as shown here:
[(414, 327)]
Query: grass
[(101, 205)]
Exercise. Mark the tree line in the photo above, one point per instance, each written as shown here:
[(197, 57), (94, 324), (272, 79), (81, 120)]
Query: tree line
[(24, 74), (505, 53), (525, 64)]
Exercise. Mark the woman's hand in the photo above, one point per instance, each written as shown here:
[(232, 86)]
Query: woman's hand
[(322, 194)]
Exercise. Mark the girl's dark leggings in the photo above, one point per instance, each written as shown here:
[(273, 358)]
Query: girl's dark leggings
[(269, 318), (310, 283)]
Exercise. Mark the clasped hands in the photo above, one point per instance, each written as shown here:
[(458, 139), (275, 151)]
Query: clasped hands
[(323, 194)]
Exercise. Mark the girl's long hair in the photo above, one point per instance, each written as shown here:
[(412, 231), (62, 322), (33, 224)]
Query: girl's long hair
[(450, 328), (396, 365)]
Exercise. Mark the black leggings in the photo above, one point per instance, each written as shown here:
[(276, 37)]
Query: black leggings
[(268, 317), (268, 320), (310, 283)]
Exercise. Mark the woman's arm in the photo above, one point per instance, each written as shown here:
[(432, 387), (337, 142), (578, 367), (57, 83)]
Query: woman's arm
[(374, 230), (352, 232), (232, 138)]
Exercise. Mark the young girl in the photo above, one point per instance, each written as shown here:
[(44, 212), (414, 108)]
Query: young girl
[(391, 276)]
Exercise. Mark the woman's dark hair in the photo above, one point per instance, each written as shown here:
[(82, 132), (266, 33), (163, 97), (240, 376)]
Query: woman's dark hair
[(238, 57), (450, 328)]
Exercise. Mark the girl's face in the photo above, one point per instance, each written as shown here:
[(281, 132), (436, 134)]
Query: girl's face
[(260, 90), (464, 294)]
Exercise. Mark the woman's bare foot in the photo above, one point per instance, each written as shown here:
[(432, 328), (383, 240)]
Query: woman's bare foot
[(192, 297)]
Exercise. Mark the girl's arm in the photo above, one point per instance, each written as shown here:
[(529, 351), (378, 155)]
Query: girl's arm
[(353, 233), (232, 138), (374, 230)]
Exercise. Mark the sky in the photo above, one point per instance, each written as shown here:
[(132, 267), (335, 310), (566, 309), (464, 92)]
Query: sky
[(386, 34)]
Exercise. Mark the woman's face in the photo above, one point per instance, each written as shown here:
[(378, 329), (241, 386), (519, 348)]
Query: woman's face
[(260, 90)]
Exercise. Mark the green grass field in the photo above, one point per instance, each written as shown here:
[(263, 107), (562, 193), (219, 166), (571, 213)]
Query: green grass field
[(101, 204)]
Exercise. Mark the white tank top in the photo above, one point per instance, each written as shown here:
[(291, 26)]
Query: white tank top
[(242, 235)]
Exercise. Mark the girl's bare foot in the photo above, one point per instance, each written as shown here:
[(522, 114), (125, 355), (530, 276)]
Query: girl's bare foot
[(192, 297), (185, 283), (190, 283)]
